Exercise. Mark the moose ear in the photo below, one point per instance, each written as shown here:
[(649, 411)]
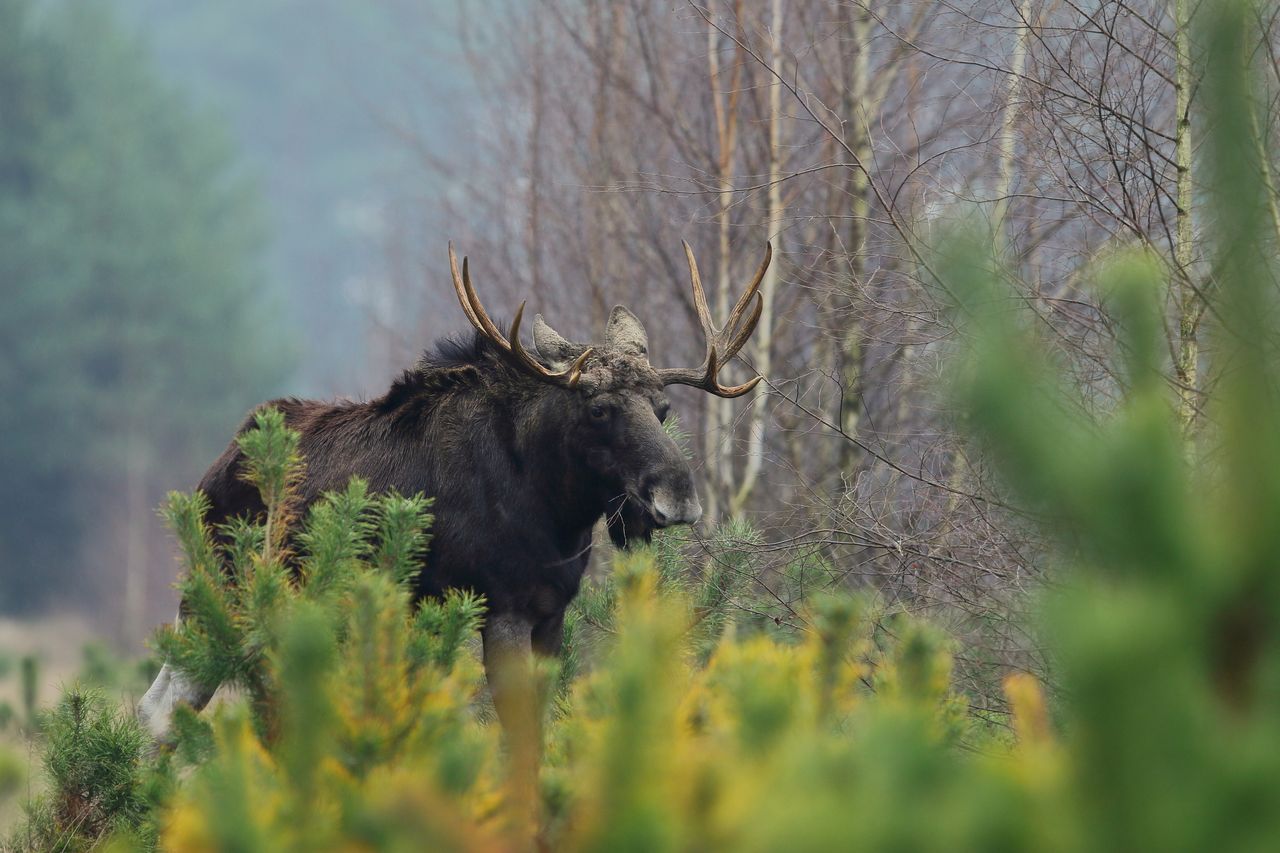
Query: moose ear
[(625, 333), (552, 346)]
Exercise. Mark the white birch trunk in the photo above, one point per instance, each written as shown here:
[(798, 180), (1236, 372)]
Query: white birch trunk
[(763, 338)]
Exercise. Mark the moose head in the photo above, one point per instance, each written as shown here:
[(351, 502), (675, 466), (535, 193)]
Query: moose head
[(612, 406)]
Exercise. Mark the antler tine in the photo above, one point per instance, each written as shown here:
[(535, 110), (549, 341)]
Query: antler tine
[(724, 343), (745, 330), (510, 343), (735, 316), (461, 290), (517, 349), (751, 290), (737, 390), (487, 325), (699, 295), (712, 384), (575, 370)]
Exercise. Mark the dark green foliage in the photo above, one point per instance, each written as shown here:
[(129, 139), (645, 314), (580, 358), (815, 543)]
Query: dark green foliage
[(341, 674), (722, 581), (442, 627), (335, 665), (337, 535), (272, 465), (192, 737), (208, 646), (402, 536), (305, 655), (729, 568), (93, 757)]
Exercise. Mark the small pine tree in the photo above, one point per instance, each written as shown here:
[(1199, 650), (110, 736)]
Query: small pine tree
[(93, 757)]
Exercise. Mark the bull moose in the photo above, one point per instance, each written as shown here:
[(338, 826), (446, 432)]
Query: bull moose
[(523, 454)]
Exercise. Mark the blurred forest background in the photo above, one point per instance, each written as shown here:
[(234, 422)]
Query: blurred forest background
[(176, 179), (194, 208)]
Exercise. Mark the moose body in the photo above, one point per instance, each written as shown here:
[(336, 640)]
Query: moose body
[(522, 456), (514, 501)]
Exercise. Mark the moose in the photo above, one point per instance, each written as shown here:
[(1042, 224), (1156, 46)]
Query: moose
[(523, 453)]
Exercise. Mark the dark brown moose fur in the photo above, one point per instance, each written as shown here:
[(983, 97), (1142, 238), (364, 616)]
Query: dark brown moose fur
[(520, 470)]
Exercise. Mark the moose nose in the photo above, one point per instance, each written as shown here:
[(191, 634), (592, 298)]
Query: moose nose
[(668, 510)]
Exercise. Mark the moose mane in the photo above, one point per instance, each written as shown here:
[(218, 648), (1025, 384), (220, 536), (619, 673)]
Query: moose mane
[(457, 350), (468, 360)]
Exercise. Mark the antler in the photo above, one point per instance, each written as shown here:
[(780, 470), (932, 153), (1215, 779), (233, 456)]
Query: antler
[(510, 343), (722, 344)]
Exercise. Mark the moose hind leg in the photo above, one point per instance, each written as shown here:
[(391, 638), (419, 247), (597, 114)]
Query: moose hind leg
[(548, 635), (170, 689)]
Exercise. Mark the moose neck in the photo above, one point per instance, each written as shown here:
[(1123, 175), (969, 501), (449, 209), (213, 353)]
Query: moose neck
[(573, 495)]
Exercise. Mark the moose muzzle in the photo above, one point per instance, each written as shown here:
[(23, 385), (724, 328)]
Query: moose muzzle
[(671, 499)]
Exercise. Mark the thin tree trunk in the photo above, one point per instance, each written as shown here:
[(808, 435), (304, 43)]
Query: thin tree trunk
[(537, 106), (1268, 175), (1188, 302), (763, 348), (854, 110), (726, 117), (1008, 129), (605, 32)]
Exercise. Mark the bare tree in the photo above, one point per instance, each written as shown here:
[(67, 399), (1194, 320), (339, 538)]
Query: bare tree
[(849, 132)]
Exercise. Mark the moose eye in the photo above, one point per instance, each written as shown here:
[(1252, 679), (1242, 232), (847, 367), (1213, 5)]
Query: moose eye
[(663, 412), (598, 413)]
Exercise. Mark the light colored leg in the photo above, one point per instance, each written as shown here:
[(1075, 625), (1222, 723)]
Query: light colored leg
[(170, 689), (508, 664)]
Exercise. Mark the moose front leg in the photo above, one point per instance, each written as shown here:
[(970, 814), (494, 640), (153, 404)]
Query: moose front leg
[(508, 665)]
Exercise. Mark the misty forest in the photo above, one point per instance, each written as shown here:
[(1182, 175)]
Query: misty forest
[(651, 426)]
